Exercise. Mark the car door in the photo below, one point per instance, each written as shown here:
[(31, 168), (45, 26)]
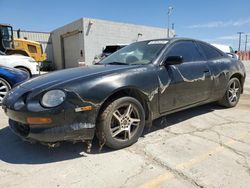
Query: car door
[(191, 79), (219, 64)]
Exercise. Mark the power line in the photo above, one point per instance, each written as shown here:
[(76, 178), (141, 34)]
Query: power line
[(240, 33)]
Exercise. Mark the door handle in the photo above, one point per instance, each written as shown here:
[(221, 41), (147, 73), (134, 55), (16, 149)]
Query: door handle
[(206, 71)]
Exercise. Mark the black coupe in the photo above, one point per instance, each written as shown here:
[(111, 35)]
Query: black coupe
[(118, 96)]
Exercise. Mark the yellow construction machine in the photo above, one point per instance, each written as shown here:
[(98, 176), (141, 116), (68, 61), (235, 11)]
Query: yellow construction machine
[(9, 45)]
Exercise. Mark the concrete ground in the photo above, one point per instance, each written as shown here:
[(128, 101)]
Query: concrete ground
[(207, 146)]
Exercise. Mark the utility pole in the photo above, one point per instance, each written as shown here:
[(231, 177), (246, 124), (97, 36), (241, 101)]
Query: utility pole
[(246, 43), (173, 29), (240, 33), (170, 9)]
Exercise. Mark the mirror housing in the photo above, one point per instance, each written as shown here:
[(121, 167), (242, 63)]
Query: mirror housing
[(173, 60), (230, 55)]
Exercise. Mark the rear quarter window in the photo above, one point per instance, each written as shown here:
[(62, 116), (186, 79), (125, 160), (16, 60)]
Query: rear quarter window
[(209, 51)]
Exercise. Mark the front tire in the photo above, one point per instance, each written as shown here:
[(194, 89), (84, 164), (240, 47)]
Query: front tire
[(121, 123), (4, 89), (232, 95)]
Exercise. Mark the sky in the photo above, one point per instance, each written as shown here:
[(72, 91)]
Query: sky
[(214, 21)]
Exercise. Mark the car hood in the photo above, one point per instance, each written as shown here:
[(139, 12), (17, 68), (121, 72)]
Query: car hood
[(68, 75), (16, 58), (12, 70)]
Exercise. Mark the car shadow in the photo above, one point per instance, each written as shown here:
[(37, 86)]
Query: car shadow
[(177, 117), (15, 151)]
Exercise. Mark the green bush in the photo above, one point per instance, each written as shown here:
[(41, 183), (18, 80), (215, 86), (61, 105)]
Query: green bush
[(47, 66)]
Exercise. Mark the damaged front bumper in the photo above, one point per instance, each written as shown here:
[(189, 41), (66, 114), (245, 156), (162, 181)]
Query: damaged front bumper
[(67, 123), (48, 135)]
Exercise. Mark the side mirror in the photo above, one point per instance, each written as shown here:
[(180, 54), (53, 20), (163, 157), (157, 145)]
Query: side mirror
[(173, 60), (231, 55)]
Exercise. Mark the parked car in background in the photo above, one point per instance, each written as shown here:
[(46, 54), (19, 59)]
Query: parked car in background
[(108, 50), (118, 96), (23, 63), (227, 49), (9, 78)]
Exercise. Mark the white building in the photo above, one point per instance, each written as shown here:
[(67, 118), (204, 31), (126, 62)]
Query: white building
[(83, 39)]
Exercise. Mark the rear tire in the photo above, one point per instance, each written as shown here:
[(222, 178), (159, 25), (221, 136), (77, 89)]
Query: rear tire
[(121, 123), (4, 89), (232, 95)]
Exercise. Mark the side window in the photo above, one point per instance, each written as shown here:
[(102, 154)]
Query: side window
[(32, 49), (187, 50), (210, 52), (6, 37)]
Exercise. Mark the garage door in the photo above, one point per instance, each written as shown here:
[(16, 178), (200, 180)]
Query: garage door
[(71, 48)]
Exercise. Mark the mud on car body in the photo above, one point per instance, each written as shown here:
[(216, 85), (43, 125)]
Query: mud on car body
[(117, 97)]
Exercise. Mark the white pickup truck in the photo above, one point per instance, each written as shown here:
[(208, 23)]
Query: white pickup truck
[(20, 62)]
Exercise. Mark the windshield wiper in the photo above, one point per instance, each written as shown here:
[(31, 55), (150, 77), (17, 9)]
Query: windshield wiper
[(117, 63)]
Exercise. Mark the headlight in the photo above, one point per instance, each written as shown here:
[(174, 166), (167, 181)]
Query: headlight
[(53, 98)]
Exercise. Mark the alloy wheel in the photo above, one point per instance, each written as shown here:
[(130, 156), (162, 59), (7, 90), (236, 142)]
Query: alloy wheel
[(234, 92), (125, 122), (4, 88)]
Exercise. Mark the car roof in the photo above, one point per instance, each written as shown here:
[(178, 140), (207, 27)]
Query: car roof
[(174, 39)]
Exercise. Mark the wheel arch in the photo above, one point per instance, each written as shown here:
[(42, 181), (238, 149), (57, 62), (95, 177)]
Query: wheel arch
[(240, 78), (20, 66), (131, 92)]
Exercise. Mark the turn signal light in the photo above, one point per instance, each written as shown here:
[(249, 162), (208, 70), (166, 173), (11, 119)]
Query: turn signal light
[(39, 120), (84, 108)]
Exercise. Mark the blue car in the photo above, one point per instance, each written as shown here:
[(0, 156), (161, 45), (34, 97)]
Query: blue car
[(10, 77)]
